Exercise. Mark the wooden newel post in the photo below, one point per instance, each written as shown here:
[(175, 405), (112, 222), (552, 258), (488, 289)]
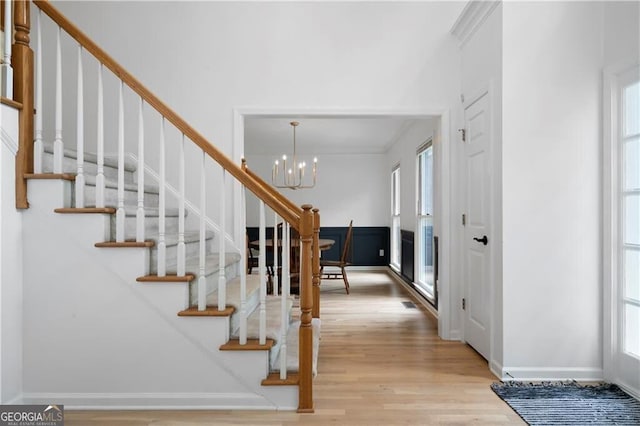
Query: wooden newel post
[(316, 263), (305, 383), (22, 60)]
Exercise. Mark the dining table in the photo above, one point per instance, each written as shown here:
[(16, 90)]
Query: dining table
[(323, 243)]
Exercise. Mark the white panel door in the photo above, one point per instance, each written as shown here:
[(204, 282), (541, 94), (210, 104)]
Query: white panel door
[(476, 234)]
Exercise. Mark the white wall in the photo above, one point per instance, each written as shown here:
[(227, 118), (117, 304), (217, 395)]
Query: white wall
[(349, 186), (621, 32), (10, 264), (481, 70), (552, 57), (206, 58), (403, 152)]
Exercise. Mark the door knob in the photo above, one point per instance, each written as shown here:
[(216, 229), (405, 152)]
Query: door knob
[(484, 240)]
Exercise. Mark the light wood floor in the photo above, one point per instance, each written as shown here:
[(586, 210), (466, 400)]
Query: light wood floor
[(379, 364)]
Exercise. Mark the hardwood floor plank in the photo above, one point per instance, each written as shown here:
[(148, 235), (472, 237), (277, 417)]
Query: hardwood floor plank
[(380, 363)]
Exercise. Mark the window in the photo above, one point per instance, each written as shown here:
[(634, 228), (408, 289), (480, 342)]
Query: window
[(395, 218), (425, 282), (622, 227), (629, 213)]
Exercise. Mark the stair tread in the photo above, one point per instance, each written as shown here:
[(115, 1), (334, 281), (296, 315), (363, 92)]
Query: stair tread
[(192, 264), (168, 278), (171, 239)]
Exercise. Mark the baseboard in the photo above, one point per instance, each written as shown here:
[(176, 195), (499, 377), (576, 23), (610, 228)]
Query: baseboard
[(416, 295), (546, 374), (373, 268), (631, 391), (154, 401), (495, 368)]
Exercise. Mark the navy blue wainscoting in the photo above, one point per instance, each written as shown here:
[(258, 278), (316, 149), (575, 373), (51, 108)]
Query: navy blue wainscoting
[(406, 254), (366, 243)]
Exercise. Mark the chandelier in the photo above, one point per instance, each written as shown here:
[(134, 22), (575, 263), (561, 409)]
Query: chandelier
[(291, 174)]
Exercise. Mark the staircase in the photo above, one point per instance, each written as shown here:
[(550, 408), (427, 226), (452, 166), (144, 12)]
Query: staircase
[(92, 295), (131, 305)]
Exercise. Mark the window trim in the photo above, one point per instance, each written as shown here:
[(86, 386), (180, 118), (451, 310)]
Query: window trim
[(422, 286), (395, 257), (613, 78)]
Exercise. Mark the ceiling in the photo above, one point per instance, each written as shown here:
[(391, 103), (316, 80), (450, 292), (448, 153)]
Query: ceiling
[(323, 135)]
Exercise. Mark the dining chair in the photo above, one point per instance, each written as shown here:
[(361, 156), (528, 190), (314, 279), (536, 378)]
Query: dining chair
[(294, 258), (345, 260), (252, 256)]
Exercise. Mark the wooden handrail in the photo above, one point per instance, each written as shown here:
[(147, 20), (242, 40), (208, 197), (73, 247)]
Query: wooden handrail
[(268, 195)]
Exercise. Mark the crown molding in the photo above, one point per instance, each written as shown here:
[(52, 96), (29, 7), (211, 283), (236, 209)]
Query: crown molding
[(471, 18)]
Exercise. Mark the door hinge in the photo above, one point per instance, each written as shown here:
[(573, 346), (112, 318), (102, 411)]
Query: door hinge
[(464, 304), (464, 134), (464, 219)]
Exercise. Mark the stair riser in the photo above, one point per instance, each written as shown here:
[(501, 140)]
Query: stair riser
[(252, 303), (151, 227), (212, 283), (70, 165), (192, 249), (111, 197)]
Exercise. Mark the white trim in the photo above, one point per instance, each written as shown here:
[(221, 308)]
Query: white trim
[(536, 374), (631, 391), (418, 206), (9, 142), (471, 19), (413, 292), (10, 121), (611, 316), (442, 136), (155, 401), (496, 368)]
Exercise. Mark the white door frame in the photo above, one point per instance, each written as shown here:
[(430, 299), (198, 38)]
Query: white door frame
[(494, 235), (610, 167), (443, 135)]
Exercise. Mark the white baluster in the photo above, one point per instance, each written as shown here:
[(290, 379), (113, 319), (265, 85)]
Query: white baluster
[(181, 245), (262, 266), (120, 212), (7, 71), (284, 312), (275, 255), (286, 257), (58, 146), (243, 274), (222, 277), (100, 125), (162, 247), (140, 170), (202, 280), (79, 183), (38, 148)]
